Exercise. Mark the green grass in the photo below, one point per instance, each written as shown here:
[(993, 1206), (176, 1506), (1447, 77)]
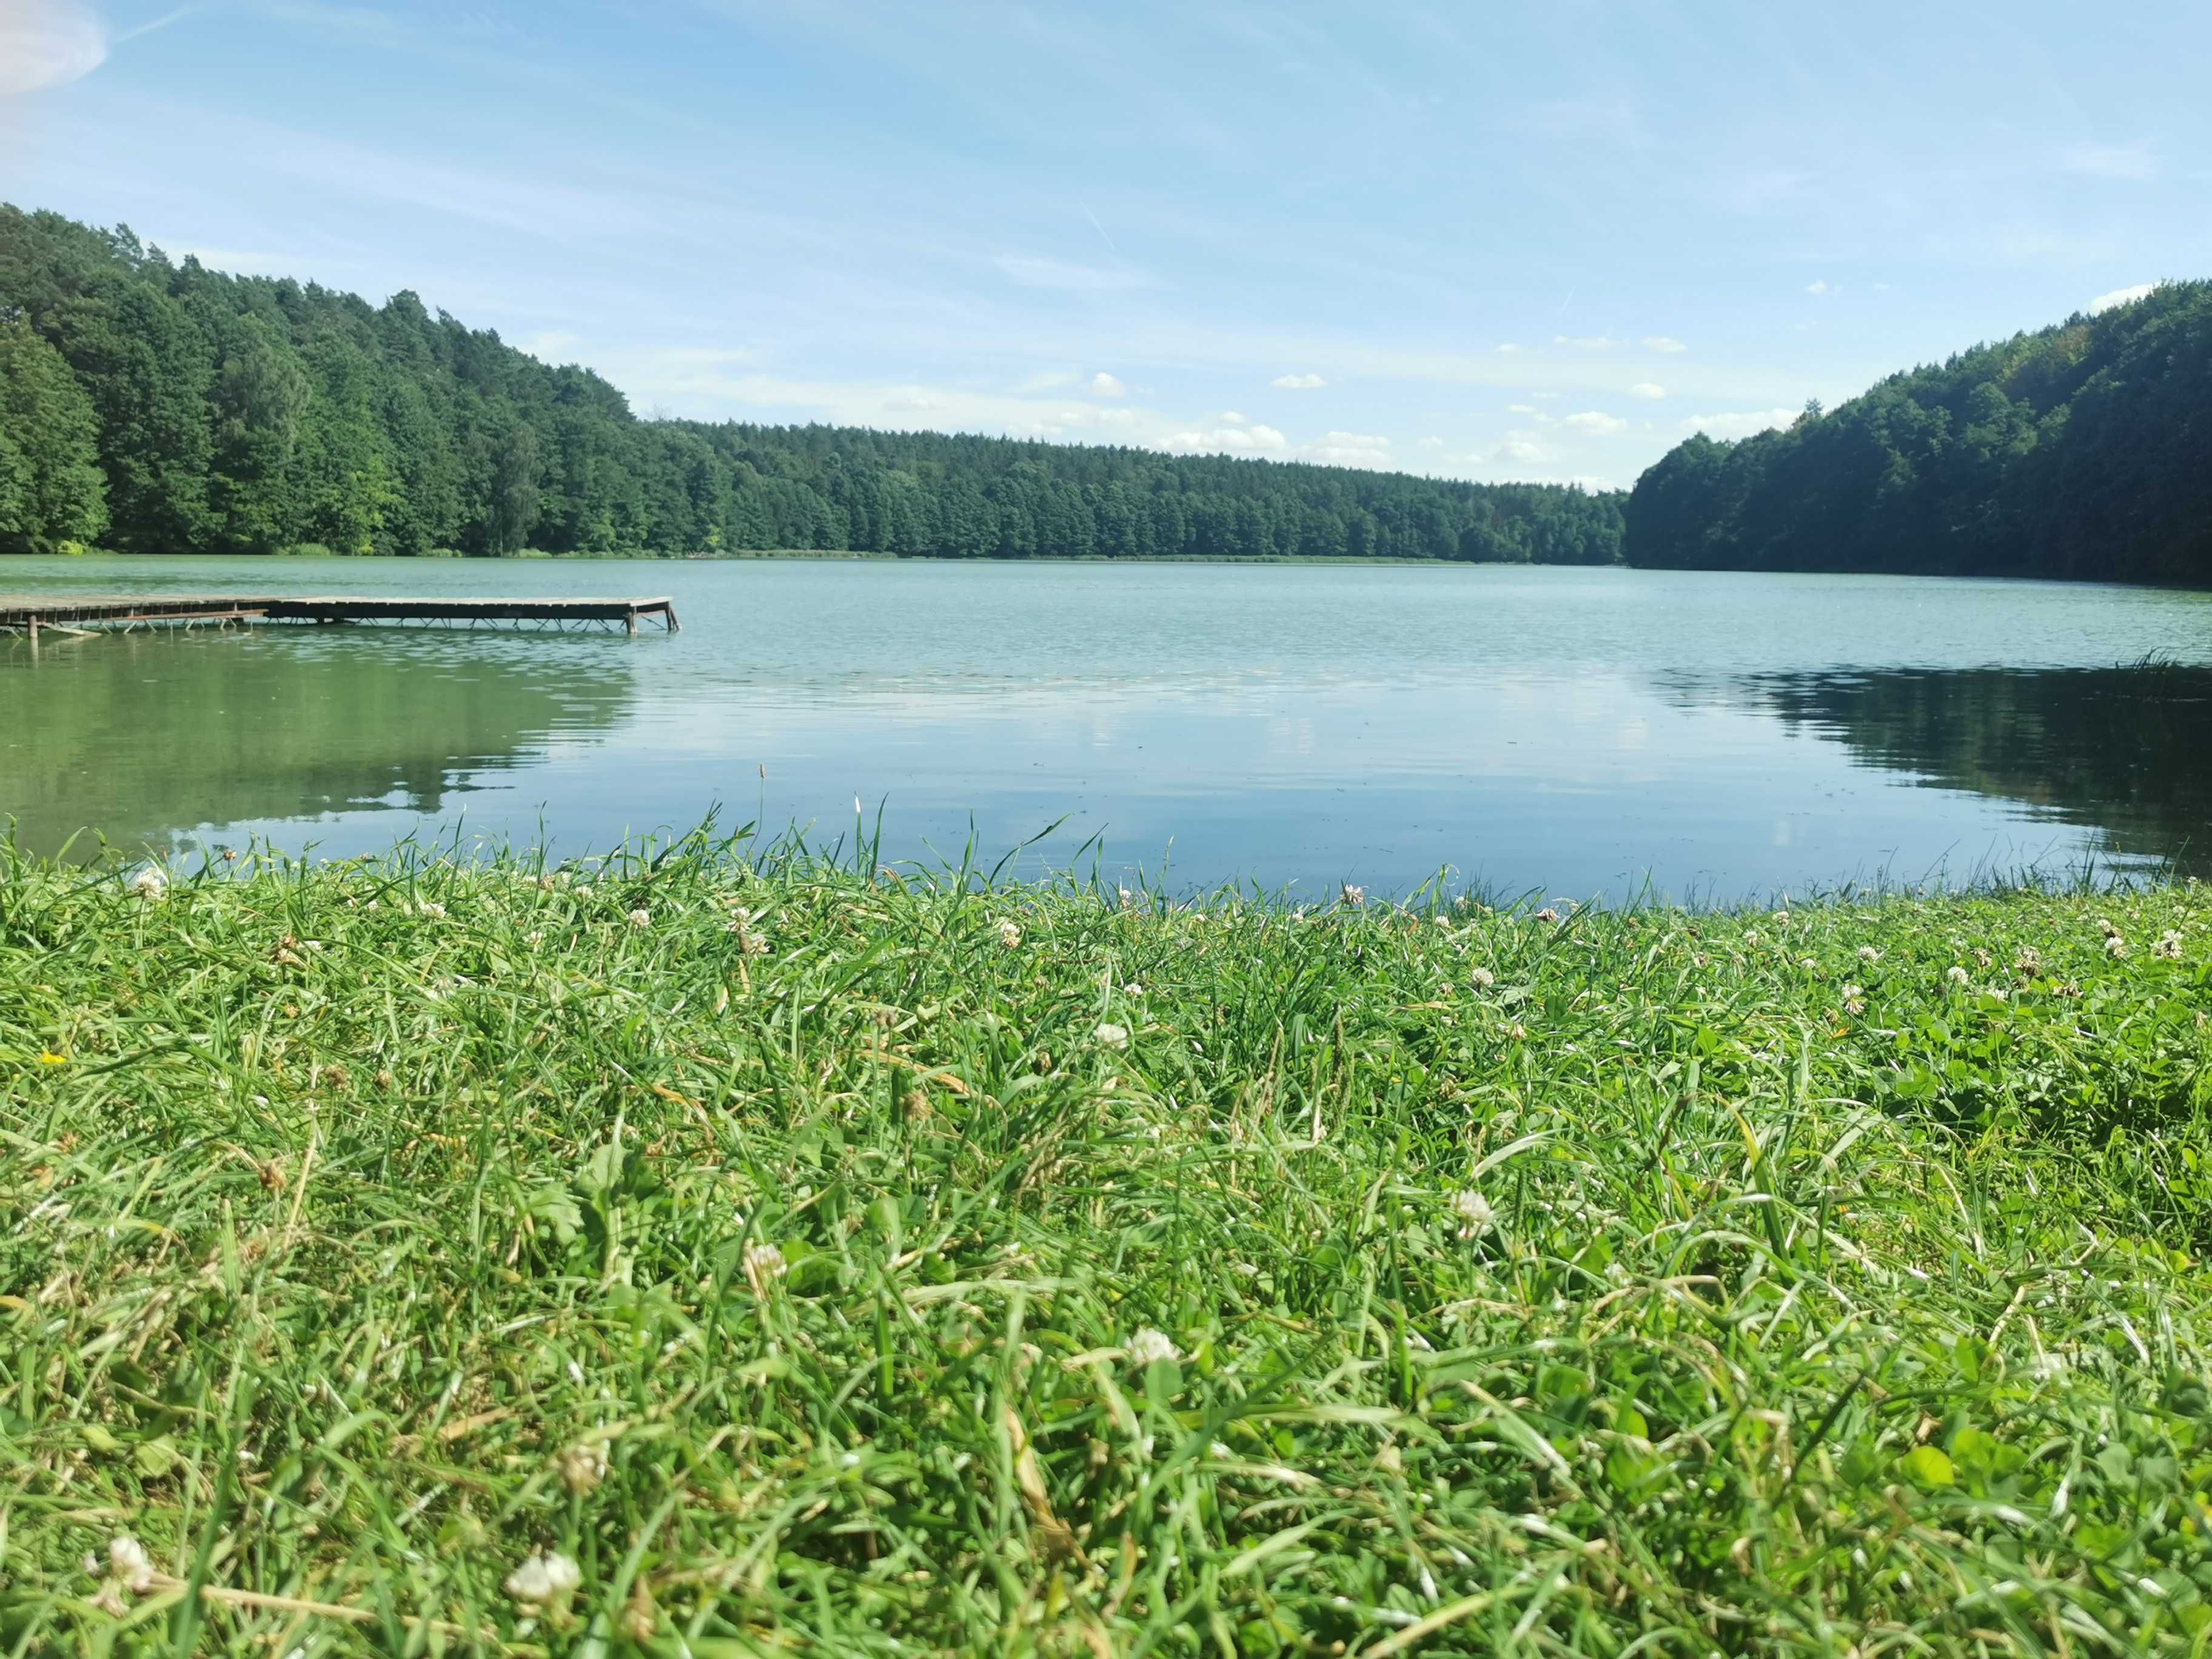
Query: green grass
[(374, 1226)]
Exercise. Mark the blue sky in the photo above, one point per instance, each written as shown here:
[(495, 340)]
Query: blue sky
[(1504, 240)]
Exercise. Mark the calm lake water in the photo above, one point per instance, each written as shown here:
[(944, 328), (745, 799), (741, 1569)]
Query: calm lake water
[(1576, 732)]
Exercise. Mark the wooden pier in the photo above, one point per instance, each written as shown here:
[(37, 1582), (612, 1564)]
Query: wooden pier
[(77, 614)]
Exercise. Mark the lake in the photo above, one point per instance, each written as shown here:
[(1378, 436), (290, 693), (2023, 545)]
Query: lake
[(1572, 731)]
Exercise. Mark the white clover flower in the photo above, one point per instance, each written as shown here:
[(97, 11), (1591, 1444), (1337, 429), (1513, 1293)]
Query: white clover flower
[(1149, 1346), (1010, 935), (1354, 895), (1751, 936), (2106, 927), (432, 909), (1547, 914), (129, 1565), (763, 1262), (149, 885), (544, 1581), (2029, 961), (2115, 946), (1482, 979), (1809, 964), (1854, 1000), (2168, 946), (1957, 975), (640, 917), (1868, 954), (1474, 1213), (1113, 1035), (582, 1467)]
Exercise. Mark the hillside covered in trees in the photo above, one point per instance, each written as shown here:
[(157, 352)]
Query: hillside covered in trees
[(158, 407), (2081, 452)]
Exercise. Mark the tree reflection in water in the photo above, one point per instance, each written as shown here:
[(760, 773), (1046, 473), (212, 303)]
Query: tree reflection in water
[(2126, 750)]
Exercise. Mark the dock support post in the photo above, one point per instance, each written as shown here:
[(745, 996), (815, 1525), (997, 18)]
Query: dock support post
[(674, 626), (34, 628), (630, 622)]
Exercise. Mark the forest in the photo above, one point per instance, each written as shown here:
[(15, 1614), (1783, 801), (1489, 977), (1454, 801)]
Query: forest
[(2082, 451), (150, 405)]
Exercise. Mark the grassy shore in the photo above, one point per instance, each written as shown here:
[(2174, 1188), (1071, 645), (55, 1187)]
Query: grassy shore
[(734, 1257)]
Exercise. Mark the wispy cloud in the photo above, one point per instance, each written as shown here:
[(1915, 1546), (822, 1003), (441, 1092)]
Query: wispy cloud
[(1586, 341), (47, 43), (1030, 272), (152, 24), (1298, 382), (1595, 422), (2110, 160), (1104, 385), (1648, 389), (1666, 342)]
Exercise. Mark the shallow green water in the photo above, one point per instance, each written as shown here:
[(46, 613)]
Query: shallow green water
[(1575, 731)]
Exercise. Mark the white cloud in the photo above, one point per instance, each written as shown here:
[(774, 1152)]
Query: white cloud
[(1662, 343), (1520, 408), (1739, 425), (546, 347), (912, 403), (1522, 447), (1104, 385), (240, 260), (1048, 382), (2110, 160), (1509, 348), (1585, 342), (1349, 449), (1816, 288), (1231, 417), (1230, 440), (1064, 274), (2121, 296), (1298, 382), (1432, 443), (47, 43), (1594, 421), (1647, 390)]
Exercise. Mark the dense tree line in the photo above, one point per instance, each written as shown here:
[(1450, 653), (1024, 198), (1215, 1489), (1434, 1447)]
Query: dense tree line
[(156, 406), (2083, 451)]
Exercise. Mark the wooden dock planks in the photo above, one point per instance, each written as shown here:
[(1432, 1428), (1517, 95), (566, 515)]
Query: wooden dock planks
[(79, 612)]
